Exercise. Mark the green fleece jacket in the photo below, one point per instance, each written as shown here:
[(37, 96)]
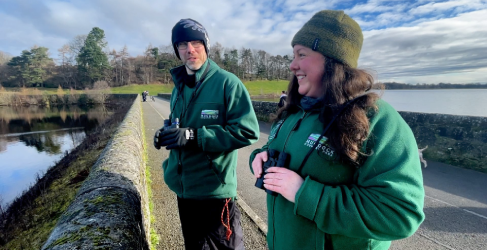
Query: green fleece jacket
[(225, 120), (340, 206)]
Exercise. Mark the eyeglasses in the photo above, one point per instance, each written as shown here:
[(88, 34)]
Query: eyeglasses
[(184, 45)]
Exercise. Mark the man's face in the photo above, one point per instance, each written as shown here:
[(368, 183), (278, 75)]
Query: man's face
[(193, 55)]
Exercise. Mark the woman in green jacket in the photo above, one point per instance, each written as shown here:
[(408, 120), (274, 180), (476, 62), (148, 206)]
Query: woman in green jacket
[(352, 179)]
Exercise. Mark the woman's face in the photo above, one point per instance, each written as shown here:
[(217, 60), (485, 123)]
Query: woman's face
[(308, 67)]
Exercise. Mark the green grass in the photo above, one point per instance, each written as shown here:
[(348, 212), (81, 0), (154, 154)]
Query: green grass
[(153, 89), (40, 91), (255, 88), (266, 87)]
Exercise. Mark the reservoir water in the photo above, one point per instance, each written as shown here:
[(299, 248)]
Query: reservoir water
[(471, 102), (33, 138)]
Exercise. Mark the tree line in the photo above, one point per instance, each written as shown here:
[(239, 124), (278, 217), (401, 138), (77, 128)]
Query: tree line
[(86, 59), (441, 85)]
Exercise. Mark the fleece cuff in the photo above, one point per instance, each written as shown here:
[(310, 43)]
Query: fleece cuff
[(307, 198), (199, 137)]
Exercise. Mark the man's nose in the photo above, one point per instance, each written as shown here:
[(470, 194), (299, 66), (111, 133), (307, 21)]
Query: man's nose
[(190, 48)]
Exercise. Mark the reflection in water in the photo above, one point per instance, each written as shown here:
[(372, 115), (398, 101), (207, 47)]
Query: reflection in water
[(33, 138)]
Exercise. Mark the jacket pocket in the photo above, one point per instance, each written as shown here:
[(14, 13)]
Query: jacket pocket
[(215, 171)]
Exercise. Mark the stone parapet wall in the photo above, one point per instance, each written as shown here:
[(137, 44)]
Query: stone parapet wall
[(111, 209), (165, 96), (452, 139)]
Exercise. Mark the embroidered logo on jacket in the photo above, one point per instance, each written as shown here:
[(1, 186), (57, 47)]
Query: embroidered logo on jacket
[(209, 114), (322, 146)]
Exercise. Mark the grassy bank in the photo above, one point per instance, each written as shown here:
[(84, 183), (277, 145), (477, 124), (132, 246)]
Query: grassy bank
[(137, 89), (266, 88), (255, 88), (31, 217)]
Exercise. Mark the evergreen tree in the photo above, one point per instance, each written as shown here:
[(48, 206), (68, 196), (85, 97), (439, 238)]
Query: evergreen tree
[(92, 61), (30, 68)]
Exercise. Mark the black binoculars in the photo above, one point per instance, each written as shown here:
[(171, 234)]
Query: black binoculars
[(274, 159), (167, 125)]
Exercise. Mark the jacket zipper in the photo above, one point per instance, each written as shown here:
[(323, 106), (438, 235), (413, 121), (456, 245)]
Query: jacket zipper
[(180, 172), (212, 167), (274, 222), (295, 127)]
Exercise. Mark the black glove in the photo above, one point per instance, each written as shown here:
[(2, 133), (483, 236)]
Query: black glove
[(178, 138), (156, 138)]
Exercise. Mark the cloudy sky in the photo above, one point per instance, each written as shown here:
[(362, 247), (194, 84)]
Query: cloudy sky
[(405, 41)]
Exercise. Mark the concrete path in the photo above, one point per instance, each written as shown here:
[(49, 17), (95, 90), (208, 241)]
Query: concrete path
[(165, 213), (455, 202)]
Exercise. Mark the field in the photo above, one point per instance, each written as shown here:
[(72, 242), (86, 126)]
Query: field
[(260, 88), (153, 89), (255, 88)]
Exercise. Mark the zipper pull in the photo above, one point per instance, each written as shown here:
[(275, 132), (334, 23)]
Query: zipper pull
[(209, 160), (296, 126), (180, 167)]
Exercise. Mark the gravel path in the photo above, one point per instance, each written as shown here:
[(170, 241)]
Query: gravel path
[(165, 211)]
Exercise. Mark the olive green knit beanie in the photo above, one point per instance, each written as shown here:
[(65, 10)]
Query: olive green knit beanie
[(333, 34)]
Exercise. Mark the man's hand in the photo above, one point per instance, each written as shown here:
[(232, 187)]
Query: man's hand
[(156, 138), (178, 137)]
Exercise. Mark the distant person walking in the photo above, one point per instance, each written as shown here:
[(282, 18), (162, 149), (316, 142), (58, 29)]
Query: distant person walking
[(144, 95), (216, 118)]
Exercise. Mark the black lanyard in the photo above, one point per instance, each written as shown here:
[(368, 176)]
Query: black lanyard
[(180, 92)]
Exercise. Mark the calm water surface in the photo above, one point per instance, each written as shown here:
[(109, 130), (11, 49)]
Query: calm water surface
[(471, 102), (32, 139)]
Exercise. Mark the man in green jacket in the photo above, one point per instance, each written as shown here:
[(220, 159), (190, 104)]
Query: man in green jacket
[(216, 118)]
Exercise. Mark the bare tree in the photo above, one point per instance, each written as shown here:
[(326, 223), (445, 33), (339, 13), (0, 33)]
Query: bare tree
[(100, 92), (1, 208), (123, 53), (66, 68), (112, 72), (216, 53), (76, 44), (4, 57), (167, 61)]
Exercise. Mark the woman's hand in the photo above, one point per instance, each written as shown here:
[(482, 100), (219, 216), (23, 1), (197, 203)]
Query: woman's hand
[(258, 162), (283, 181)]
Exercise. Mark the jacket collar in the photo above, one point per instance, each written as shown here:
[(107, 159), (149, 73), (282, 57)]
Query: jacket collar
[(179, 72)]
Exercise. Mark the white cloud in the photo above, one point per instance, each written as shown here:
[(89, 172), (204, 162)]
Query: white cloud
[(403, 39), (451, 47), (454, 5)]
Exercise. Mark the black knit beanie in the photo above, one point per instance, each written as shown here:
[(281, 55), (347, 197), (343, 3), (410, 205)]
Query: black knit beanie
[(334, 34), (189, 30)]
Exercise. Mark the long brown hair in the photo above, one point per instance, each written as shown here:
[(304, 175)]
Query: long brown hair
[(341, 84)]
